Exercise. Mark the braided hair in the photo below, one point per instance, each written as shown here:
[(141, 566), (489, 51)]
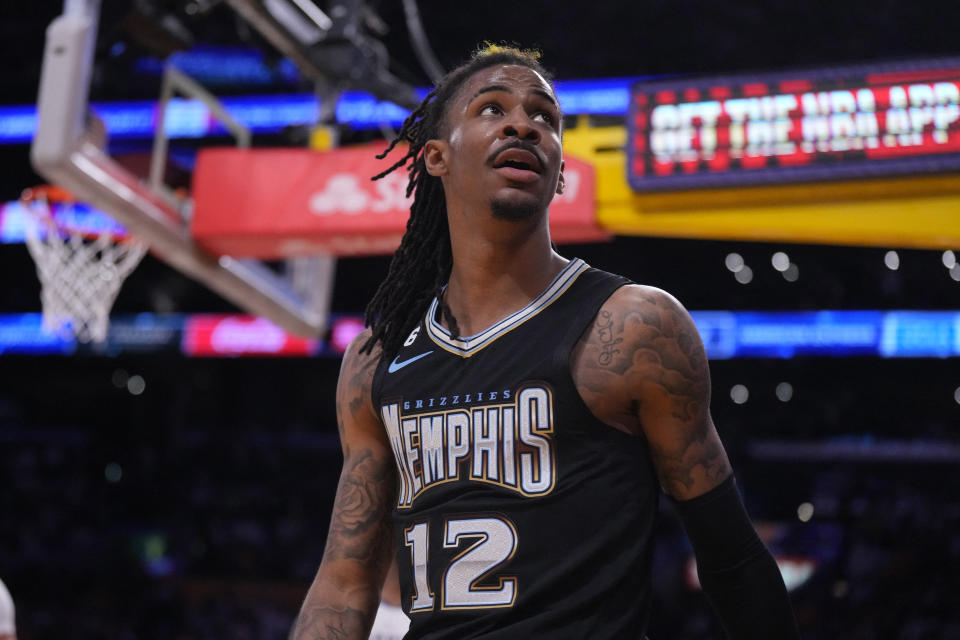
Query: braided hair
[(421, 265)]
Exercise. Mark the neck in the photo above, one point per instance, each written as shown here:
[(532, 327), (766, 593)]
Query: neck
[(498, 270)]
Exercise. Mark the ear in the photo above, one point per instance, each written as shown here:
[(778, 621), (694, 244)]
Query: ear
[(561, 182), (435, 157)]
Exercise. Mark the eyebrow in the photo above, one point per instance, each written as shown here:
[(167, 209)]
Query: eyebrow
[(500, 87)]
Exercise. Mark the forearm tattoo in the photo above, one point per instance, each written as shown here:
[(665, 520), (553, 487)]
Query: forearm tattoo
[(329, 623), (360, 527), (360, 524)]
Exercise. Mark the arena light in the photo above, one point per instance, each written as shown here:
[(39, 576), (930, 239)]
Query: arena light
[(119, 378), (21, 333), (113, 472), (215, 65), (734, 262), (726, 334), (784, 392), (821, 124), (739, 394), (780, 261), (136, 385), (892, 260), (128, 120), (77, 215)]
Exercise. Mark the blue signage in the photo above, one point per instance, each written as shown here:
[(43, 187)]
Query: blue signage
[(726, 334)]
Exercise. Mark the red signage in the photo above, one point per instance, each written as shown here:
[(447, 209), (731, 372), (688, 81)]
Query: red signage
[(786, 127), (343, 330), (239, 335), (273, 203)]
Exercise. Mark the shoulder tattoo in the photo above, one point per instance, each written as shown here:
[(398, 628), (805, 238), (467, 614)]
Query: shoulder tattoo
[(608, 343), (642, 362)]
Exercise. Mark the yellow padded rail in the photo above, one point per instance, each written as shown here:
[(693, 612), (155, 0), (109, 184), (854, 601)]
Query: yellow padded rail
[(909, 212)]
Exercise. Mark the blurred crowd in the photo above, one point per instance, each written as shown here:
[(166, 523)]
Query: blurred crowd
[(200, 534), (198, 509)]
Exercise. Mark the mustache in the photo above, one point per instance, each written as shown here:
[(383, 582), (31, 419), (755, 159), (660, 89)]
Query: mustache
[(517, 144)]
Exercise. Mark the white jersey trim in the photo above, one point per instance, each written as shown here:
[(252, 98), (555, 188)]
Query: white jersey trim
[(467, 346)]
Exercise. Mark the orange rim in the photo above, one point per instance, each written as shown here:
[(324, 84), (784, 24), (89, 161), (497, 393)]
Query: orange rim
[(48, 192), (50, 195)]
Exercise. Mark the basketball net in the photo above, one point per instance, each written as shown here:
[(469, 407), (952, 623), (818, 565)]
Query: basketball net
[(80, 272)]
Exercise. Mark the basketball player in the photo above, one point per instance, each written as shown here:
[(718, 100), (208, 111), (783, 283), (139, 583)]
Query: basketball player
[(510, 417)]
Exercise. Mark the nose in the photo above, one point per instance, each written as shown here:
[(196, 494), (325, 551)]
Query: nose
[(518, 125)]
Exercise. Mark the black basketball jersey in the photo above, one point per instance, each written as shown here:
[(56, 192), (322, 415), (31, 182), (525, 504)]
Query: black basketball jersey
[(519, 514)]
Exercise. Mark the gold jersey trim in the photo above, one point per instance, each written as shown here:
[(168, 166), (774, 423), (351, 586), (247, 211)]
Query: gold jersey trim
[(468, 346)]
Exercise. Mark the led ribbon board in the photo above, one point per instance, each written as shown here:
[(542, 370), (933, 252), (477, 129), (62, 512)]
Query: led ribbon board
[(725, 334), (132, 120), (851, 122)]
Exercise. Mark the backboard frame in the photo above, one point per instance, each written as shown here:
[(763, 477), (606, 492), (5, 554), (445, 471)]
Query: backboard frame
[(64, 152)]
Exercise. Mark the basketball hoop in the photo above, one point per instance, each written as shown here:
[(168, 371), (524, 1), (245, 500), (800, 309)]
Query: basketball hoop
[(80, 271)]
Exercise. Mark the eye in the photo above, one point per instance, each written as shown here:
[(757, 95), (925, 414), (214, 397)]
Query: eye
[(546, 117), (491, 108)]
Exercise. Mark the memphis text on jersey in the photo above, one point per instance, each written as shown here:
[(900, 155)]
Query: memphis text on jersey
[(495, 437)]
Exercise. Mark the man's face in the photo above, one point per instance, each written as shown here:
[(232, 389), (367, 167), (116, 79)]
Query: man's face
[(502, 145)]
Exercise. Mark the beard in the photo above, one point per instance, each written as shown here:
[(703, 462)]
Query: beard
[(513, 210)]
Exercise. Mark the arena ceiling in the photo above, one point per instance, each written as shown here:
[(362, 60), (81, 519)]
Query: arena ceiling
[(578, 39)]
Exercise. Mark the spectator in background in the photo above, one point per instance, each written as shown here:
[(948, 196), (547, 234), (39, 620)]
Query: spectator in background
[(8, 628)]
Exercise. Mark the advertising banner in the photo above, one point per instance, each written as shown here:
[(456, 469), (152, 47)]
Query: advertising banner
[(273, 203)]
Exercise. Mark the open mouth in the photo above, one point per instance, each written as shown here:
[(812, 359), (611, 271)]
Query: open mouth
[(516, 165), (518, 159)]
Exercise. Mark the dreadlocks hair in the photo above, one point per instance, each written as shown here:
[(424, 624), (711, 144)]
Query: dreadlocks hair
[(421, 265)]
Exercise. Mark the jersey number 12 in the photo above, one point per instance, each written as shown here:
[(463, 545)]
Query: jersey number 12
[(485, 543)]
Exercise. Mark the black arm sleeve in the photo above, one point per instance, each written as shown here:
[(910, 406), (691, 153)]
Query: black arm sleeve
[(737, 572)]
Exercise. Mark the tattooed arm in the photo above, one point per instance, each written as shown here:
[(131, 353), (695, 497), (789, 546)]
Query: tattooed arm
[(641, 368), (342, 601)]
